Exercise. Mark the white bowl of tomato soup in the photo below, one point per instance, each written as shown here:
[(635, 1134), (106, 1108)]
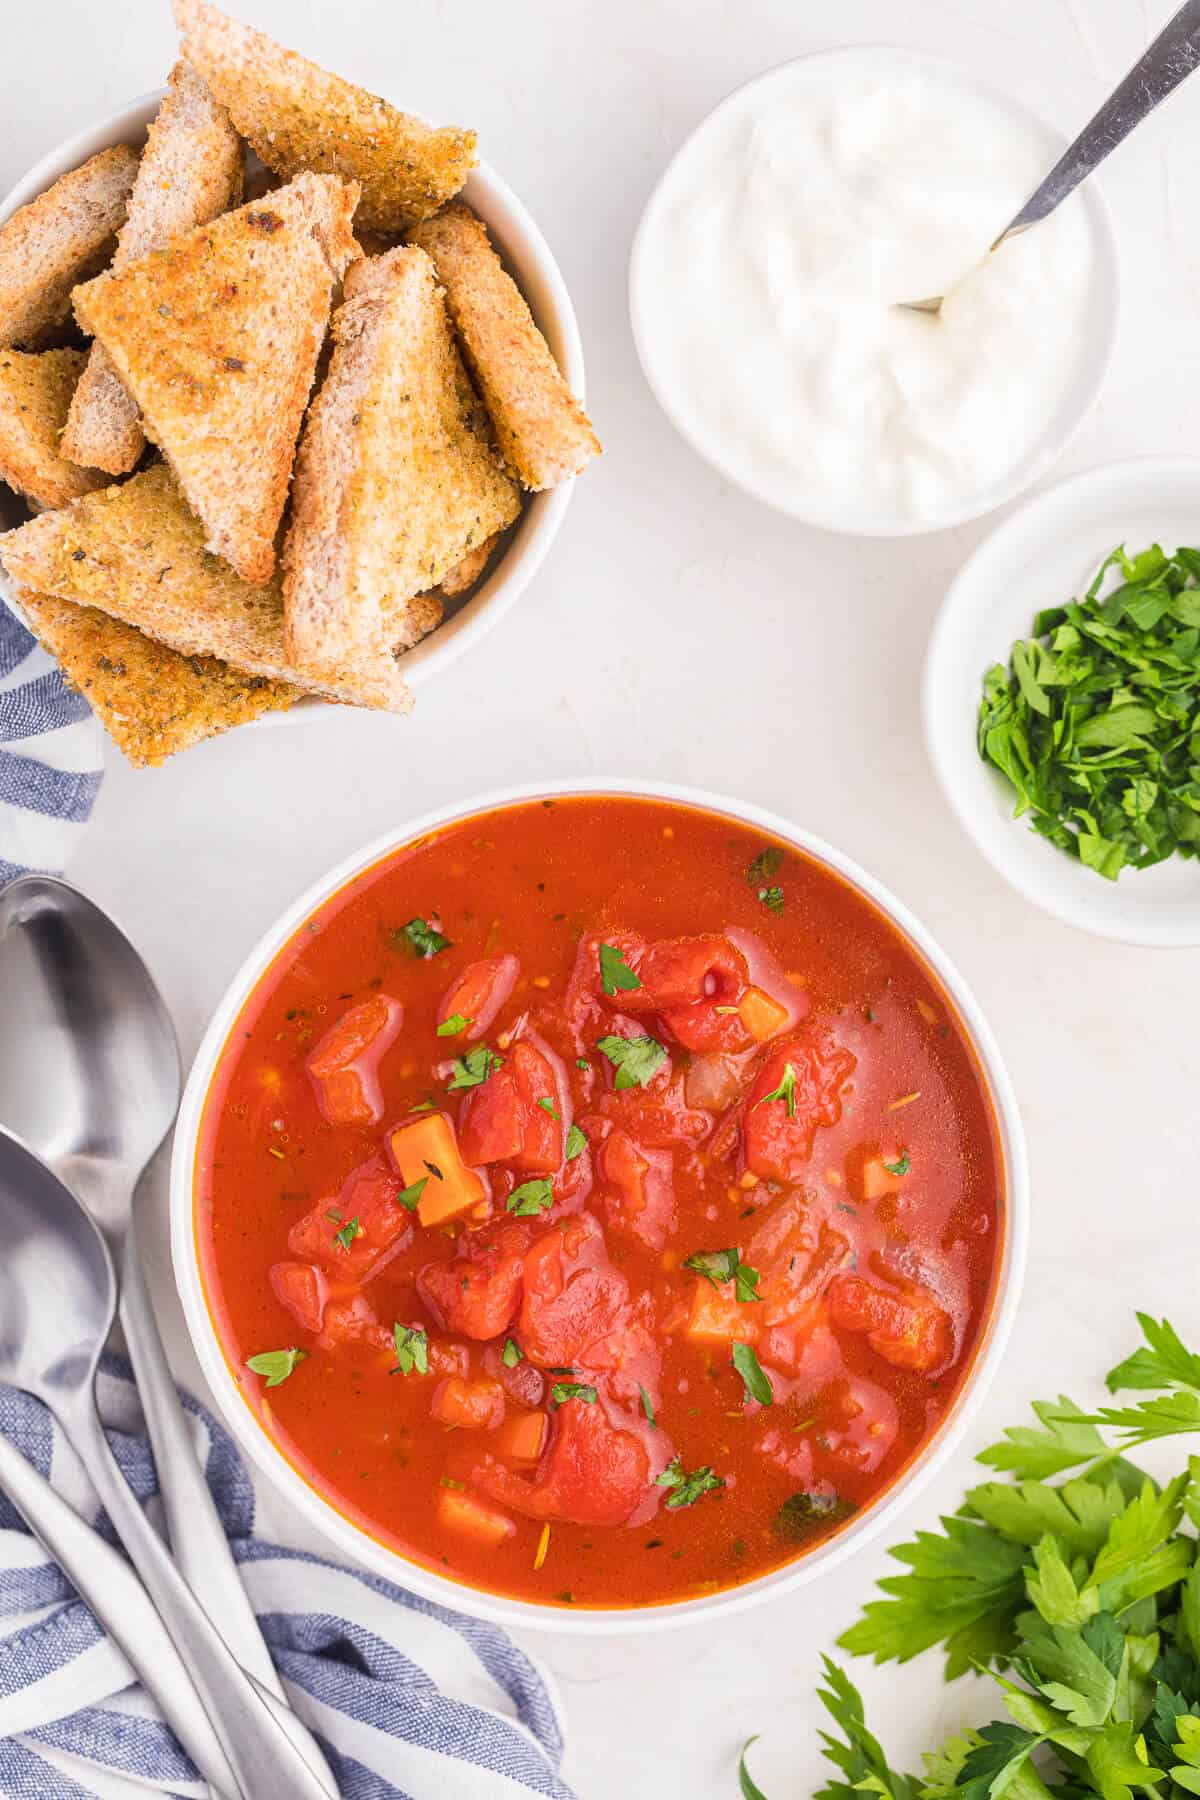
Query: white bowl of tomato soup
[(598, 1206)]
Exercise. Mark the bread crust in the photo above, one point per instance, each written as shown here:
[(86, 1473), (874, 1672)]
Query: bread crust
[(217, 336), (35, 392), (297, 115), (190, 172), (60, 238), (543, 432)]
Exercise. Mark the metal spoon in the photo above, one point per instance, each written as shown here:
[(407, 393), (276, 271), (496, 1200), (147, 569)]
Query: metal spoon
[(1172, 56), (89, 1071)]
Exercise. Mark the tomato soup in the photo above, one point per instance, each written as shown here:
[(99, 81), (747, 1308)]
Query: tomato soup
[(599, 1202)]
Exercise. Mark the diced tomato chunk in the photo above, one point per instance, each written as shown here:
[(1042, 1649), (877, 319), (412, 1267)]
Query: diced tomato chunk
[(356, 1232), (797, 1090), (472, 1405), (470, 1517), (595, 1473), (573, 1296), (638, 1190), (796, 1252), (345, 1064), (718, 1317), (661, 1121), (504, 1118), (905, 1326), (522, 1437), (491, 1121), (353, 1321), (303, 1290), (478, 1292), (425, 1149), (585, 997), (479, 993)]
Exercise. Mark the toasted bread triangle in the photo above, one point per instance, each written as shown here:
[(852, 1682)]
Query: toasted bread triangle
[(216, 336), (35, 392), (299, 116), (136, 552)]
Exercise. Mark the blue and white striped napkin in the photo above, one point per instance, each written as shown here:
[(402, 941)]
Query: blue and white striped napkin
[(51, 757), (409, 1701)]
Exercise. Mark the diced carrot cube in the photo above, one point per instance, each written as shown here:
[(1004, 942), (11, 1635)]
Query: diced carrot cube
[(761, 1015), (875, 1179), (426, 1149), (463, 1513), (475, 1405), (718, 1317), (521, 1437)]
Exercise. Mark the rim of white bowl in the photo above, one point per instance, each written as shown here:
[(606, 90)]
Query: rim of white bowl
[(357, 1544), (1048, 896), (1052, 447), (541, 282)]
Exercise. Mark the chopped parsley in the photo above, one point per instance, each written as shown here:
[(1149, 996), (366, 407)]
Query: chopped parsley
[(531, 1197), (474, 1068), (410, 1197), (758, 1386), (422, 938), (797, 1516), (452, 1026), (646, 1406), (637, 1060), (899, 1168), (581, 1062), (772, 898), (547, 1105), (412, 1350), (768, 862), (512, 1353), (720, 1266), (786, 1091), (346, 1236), (687, 1489), (573, 1390), (616, 976), (275, 1365), (576, 1143)]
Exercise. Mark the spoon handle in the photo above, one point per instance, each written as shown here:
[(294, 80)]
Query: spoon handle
[(1168, 61), (106, 1583), (197, 1535), (258, 1731)]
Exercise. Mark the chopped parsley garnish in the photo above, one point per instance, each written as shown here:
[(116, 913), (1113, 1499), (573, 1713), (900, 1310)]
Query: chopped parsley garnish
[(786, 1091), (573, 1390), (452, 1026), (686, 1489), (581, 1062), (423, 939), (346, 1236), (899, 1168), (646, 1406), (576, 1144), (474, 1068), (422, 1106), (616, 976), (720, 1266), (547, 1105), (772, 898), (410, 1197), (275, 1365), (531, 1197), (512, 1353), (636, 1060), (797, 1516), (412, 1350), (758, 1386), (768, 862)]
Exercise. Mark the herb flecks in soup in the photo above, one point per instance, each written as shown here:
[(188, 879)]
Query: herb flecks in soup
[(587, 1226)]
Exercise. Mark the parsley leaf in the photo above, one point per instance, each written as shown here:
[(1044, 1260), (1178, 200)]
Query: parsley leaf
[(646, 1406), (531, 1197), (750, 1789), (410, 1197), (720, 1266), (899, 1168), (275, 1365), (772, 898), (474, 1068), (454, 1025), (797, 1516), (346, 1236), (687, 1489), (422, 938), (573, 1390), (786, 1091), (1067, 1440), (757, 1383), (576, 1144), (512, 1353), (412, 1350), (547, 1105), (636, 1060), (616, 976), (768, 862), (860, 1760)]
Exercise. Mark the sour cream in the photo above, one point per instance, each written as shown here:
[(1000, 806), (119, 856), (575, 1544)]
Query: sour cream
[(768, 266)]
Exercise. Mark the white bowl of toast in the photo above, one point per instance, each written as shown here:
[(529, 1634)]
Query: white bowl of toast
[(326, 414)]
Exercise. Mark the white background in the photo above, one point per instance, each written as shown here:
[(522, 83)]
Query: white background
[(679, 631)]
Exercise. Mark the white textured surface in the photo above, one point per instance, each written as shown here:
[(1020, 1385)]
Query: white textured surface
[(680, 630)]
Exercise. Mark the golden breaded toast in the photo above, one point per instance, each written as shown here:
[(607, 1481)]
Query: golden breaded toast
[(152, 701), (217, 336), (396, 479), (298, 116), (35, 392), (543, 432), (136, 552), (60, 238), (465, 574), (191, 170)]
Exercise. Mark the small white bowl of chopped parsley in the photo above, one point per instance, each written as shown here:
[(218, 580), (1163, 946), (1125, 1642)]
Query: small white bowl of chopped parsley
[(1062, 700)]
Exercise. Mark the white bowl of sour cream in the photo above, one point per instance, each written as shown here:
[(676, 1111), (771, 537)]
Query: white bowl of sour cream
[(769, 260)]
